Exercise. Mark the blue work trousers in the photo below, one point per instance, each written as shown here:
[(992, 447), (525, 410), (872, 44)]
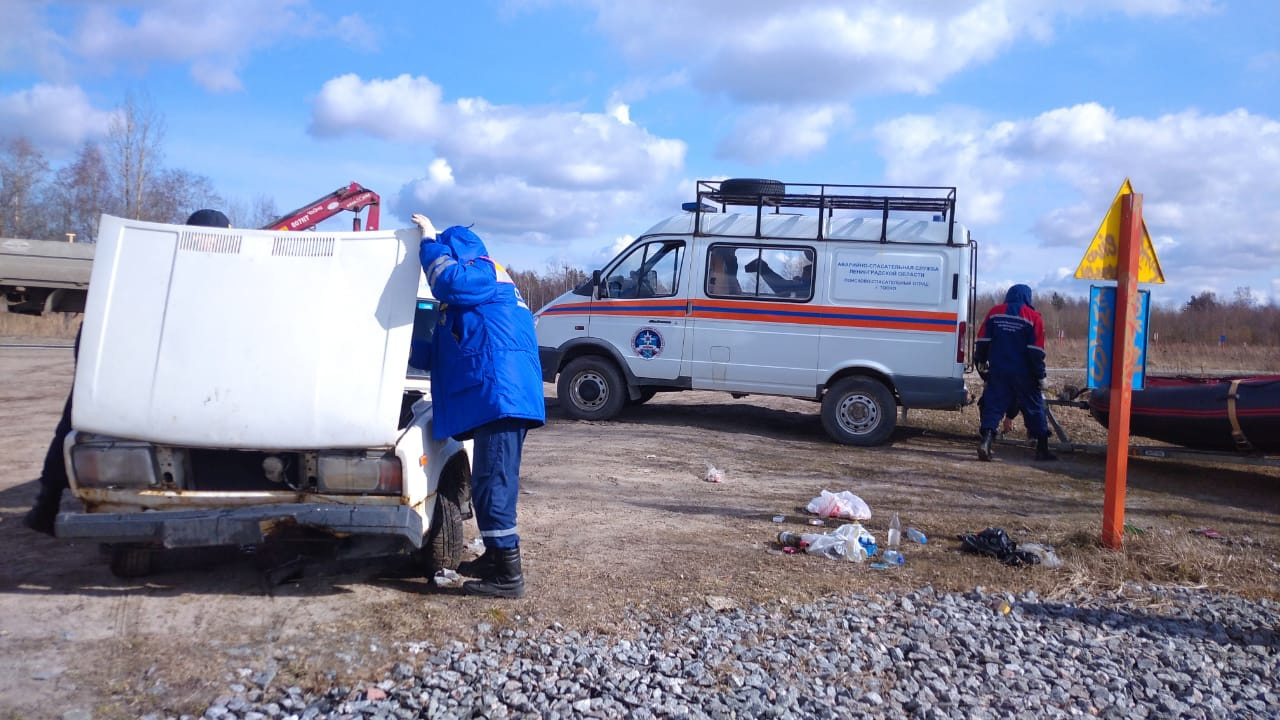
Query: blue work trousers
[(495, 481), (1004, 392)]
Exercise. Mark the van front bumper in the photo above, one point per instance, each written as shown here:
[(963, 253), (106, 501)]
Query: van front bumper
[(240, 526)]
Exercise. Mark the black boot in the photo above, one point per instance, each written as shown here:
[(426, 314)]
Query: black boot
[(1042, 450), (984, 449), (42, 515), (507, 580), (481, 567)]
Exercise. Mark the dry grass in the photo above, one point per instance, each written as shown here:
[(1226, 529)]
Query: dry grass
[(55, 325), (1165, 557), (1177, 358)]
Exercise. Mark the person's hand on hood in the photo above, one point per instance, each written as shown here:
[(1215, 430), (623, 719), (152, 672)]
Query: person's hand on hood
[(424, 223)]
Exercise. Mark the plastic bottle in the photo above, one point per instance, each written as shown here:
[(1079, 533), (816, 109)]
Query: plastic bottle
[(916, 536), (895, 533), (790, 539), (893, 557)]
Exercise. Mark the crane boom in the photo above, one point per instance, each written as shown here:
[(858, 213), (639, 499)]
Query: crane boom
[(353, 197)]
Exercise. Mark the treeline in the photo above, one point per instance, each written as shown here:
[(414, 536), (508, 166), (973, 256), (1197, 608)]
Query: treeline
[(1203, 319), (540, 289), (123, 175)]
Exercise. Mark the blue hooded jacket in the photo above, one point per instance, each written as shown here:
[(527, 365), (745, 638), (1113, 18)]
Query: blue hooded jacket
[(1011, 338), (484, 354)]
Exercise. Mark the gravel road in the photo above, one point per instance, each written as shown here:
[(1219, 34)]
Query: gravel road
[(1142, 653)]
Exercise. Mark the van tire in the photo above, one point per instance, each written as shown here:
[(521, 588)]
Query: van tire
[(750, 190), (591, 388), (859, 411), (442, 545)]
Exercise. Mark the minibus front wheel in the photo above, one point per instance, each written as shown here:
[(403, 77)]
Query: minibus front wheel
[(859, 411), (591, 388)]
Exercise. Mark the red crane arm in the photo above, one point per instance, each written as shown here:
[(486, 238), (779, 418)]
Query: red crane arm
[(353, 197)]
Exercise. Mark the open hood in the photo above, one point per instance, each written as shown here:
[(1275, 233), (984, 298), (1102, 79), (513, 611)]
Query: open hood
[(239, 338)]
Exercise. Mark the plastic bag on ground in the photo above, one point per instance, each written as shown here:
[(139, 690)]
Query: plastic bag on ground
[(843, 504), (843, 543), (1048, 557), (996, 543)]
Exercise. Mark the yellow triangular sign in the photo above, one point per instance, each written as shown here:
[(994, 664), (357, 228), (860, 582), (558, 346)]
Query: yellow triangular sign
[(1099, 262)]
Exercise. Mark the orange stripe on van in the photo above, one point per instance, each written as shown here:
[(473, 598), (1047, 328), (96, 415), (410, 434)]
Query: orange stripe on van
[(766, 312)]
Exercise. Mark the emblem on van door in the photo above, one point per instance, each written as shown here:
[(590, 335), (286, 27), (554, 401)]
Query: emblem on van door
[(647, 343)]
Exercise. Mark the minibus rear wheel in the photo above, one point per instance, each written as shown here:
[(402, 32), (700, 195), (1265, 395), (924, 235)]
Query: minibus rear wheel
[(591, 388), (859, 411)]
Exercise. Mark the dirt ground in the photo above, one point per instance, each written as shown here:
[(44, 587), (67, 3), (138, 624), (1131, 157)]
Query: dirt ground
[(613, 516)]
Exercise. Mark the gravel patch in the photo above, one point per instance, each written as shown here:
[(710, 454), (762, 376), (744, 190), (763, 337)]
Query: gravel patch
[(1144, 652)]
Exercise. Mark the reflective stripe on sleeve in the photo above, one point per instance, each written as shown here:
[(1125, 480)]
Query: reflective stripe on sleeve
[(438, 266)]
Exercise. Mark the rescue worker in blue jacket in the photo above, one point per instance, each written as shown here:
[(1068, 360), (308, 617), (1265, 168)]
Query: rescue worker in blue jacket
[(486, 385), (1009, 352)]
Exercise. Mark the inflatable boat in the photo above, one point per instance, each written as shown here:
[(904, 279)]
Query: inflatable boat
[(1230, 413), (1205, 413)]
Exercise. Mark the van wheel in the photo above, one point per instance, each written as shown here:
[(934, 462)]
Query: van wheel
[(591, 388), (442, 545), (859, 411), (130, 561)]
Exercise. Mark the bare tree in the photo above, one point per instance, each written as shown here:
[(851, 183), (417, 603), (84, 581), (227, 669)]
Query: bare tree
[(81, 193), (134, 138), (175, 194), (22, 174), (263, 210), (257, 212)]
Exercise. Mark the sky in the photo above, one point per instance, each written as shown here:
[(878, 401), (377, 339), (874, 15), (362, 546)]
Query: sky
[(563, 129)]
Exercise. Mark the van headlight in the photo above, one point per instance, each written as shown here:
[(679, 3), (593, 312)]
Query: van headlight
[(114, 465), (359, 472)]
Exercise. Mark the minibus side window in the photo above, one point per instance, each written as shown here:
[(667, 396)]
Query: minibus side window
[(760, 272)]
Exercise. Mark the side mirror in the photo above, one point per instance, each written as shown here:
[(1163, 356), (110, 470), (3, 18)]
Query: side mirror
[(595, 283)]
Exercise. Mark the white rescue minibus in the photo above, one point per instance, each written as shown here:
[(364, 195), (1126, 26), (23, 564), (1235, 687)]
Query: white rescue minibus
[(860, 297)]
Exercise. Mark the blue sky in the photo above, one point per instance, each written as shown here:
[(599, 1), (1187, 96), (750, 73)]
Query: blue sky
[(563, 128)]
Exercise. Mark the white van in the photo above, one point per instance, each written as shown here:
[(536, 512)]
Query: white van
[(861, 297), (236, 387)]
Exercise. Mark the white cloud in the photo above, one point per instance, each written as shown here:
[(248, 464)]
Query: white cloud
[(55, 118), (1208, 181), (402, 108), (509, 211), (818, 50), (535, 176), (216, 40), (770, 132), (28, 44), (541, 148)]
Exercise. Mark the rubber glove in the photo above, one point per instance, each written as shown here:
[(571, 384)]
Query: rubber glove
[(424, 223), (1044, 384)]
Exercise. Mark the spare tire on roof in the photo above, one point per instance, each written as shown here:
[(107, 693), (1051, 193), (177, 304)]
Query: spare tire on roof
[(750, 190)]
